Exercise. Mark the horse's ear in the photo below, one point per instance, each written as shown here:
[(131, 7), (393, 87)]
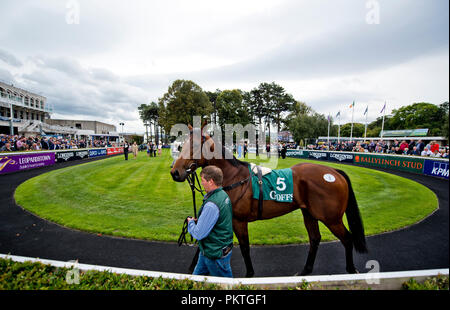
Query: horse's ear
[(208, 137), (205, 122)]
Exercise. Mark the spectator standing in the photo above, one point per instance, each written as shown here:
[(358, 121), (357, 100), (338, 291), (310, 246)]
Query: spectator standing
[(404, 146), (149, 149), (6, 147), (154, 147), (420, 146), (19, 145), (134, 149), (372, 146), (396, 143), (434, 147), (126, 148), (411, 145), (426, 152), (175, 151), (415, 151), (283, 151), (435, 154)]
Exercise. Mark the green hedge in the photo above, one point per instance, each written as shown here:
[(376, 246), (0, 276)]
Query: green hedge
[(37, 276)]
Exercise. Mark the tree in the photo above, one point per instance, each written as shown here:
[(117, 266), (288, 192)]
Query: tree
[(269, 101), (256, 104), (232, 109), (295, 110), (277, 101), (304, 123), (150, 113), (444, 110), (213, 98), (183, 100), (308, 126), (418, 115), (358, 130), (374, 128)]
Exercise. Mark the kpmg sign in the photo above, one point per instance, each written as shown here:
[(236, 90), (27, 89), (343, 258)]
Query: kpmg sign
[(436, 168)]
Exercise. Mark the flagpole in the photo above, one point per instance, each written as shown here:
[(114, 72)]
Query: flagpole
[(382, 124), (339, 128), (328, 139), (351, 129), (365, 131)]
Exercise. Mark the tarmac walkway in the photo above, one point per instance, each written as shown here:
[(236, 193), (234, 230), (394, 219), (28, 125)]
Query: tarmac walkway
[(424, 245)]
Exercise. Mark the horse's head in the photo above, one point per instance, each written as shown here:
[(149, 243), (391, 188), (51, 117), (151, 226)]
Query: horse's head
[(196, 151)]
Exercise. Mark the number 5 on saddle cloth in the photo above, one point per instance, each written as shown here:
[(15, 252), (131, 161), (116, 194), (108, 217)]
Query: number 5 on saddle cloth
[(267, 184)]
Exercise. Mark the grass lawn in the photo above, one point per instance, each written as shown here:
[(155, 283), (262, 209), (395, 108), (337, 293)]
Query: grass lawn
[(139, 199)]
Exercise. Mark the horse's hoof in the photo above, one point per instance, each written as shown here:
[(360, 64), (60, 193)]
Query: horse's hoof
[(306, 271), (249, 274), (352, 270)]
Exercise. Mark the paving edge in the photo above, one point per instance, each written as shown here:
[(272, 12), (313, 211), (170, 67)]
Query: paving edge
[(371, 280)]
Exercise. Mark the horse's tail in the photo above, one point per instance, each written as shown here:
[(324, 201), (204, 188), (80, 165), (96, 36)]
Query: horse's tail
[(354, 218)]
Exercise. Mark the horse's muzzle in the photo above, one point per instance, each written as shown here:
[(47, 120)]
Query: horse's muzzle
[(176, 176)]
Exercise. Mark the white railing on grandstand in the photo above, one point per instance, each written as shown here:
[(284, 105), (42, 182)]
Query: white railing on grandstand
[(6, 100)]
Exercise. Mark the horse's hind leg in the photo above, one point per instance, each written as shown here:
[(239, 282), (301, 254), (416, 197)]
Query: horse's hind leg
[(341, 232), (241, 232), (312, 226)]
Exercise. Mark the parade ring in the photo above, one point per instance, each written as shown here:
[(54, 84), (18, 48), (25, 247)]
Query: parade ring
[(423, 245)]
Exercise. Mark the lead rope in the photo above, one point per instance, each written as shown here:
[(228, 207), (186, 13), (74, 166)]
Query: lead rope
[(192, 179), (194, 183)]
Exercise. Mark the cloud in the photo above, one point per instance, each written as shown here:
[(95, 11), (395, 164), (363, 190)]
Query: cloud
[(9, 59), (76, 90), (348, 48), (6, 76), (123, 54)]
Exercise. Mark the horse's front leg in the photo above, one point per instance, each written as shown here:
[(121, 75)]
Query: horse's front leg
[(241, 231)]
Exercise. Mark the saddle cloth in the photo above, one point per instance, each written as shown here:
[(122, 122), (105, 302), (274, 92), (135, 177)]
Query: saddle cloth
[(277, 184), (264, 170)]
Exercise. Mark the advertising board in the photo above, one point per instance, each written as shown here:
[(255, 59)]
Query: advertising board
[(436, 168), (97, 152), (14, 163), (411, 164)]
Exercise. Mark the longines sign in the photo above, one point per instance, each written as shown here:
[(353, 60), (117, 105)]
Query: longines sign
[(341, 157)]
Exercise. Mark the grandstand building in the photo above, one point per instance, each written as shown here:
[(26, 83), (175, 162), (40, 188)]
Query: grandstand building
[(26, 113), (20, 108), (82, 129)]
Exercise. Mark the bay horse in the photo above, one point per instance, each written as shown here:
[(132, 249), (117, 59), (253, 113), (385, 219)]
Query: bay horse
[(318, 199)]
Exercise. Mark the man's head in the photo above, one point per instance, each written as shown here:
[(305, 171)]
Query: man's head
[(212, 178)]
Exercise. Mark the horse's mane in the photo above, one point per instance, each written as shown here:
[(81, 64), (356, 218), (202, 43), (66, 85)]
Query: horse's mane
[(229, 157), (233, 161)]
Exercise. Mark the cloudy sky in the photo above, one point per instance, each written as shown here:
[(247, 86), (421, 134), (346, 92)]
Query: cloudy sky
[(101, 59)]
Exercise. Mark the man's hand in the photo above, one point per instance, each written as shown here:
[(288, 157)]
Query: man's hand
[(190, 218)]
